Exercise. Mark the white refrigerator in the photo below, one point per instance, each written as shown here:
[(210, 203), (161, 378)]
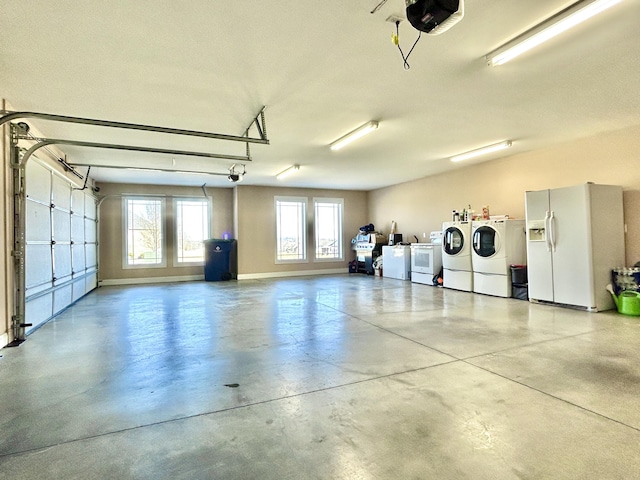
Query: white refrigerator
[(575, 237)]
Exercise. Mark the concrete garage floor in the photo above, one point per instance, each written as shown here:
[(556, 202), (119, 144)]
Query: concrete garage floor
[(338, 377)]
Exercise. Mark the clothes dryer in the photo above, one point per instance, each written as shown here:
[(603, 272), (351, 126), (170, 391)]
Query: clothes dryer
[(497, 244), (456, 256)]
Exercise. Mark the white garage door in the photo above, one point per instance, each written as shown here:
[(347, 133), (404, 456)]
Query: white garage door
[(61, 243)]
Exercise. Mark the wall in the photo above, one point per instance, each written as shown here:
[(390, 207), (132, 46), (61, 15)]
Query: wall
[(422, 205), (256, 229), (110, 230), (247, 212)]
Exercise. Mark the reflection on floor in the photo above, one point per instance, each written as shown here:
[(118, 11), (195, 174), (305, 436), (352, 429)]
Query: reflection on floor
[(333, 377)]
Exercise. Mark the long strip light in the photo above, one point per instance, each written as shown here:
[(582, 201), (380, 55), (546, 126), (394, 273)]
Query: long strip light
[(288, 171), (553, 26), (354, 135), (481, 151)]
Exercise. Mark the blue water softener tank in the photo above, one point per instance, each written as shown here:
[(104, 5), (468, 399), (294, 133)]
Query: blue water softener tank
[(220, 260)]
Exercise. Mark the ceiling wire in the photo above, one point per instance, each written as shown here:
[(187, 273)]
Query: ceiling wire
[(379, 6), (396, 41)]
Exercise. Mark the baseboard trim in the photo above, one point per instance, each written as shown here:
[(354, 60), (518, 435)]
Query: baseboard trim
[(109, 282), (297, 273), (4, 340)]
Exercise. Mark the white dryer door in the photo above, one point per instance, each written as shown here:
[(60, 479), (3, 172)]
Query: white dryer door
[(453, 241), (486, 241)]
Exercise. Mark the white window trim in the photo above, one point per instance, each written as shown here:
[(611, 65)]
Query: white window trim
[(176, 263), (305, 202), (339, 201), (125, 232)]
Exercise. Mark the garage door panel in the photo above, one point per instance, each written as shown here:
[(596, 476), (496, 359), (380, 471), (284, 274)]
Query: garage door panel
[(61, 197), (39, 310), (77, 202), (90, 231), (62, 261), (91, 282), (90, 208), (91, 257), (61, 226), (37, 265), (62, 298), (40, 215), (77, 229), (79, 289), (78, 258), (38, 182)]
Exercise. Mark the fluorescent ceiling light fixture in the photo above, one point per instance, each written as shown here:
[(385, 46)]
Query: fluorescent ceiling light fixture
[(351, 136), (553, 26), (481, 151), (288, 171)]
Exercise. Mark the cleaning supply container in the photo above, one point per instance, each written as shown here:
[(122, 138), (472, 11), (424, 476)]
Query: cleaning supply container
[(629, 303)]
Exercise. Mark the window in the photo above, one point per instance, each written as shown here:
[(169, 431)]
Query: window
[(192, 228), (145, 236), (328, 228), (291, 219)]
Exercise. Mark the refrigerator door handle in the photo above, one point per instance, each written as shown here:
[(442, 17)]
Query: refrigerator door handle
[(552, 230), (547, 228)]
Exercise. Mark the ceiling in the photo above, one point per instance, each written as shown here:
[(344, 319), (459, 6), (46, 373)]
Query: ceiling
[(321, 69)]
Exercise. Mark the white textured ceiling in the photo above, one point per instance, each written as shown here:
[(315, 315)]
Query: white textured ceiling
[(322, 69)]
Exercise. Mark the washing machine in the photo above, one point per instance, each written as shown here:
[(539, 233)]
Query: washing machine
[(456, 256), (496, 245)]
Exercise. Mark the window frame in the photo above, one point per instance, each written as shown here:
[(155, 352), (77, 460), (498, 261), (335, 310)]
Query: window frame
[(125, 236), (303, 228), (176, 200), (316, 230)]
